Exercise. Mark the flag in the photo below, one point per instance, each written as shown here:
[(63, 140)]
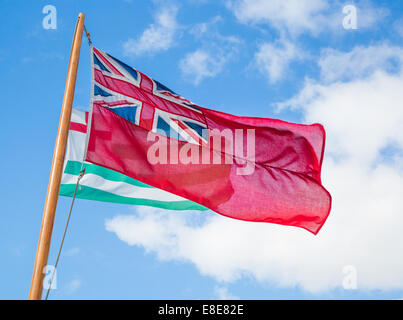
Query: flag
[(253, 169), (104, 184)]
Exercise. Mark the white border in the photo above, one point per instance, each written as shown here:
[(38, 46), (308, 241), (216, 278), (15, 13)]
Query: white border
[(91, 104)]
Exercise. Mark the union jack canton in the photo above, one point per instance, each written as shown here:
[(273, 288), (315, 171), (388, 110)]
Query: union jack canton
[(144, 101)]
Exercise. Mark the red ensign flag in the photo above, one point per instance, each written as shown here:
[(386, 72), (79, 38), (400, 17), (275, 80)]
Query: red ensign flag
[(251, 169)]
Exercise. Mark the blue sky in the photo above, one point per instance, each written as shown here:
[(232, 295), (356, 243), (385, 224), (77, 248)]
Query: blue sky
[(291, 60)]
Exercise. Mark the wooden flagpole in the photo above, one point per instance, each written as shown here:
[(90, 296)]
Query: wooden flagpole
[(42, 253)]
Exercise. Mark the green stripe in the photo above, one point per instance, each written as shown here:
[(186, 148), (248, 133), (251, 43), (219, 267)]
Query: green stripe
[(74, 168), (90, 193)]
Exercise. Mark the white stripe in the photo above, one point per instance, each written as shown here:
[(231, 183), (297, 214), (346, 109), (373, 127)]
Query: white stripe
[(121, 188), (75, 146), (78, 116)]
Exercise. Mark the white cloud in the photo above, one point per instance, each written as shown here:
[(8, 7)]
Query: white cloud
[(159, 36), (361, 61), (273, 60), (223, 294), (73, 286), (200, 64), (368, 15), (72, 252), (202, 28), (303, 16), (295, 16), (398, 26), (363, 170), (210, 59)]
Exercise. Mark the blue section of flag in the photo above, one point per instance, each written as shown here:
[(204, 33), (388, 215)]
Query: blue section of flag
[(129, 69), (191, 105), (99, 92), (198, 128), (165, 129), (129, 113), (160, 86), (100, 64)]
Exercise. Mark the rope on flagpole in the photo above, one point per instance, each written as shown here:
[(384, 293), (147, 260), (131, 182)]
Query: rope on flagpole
[(82, 172), (88, 36)]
